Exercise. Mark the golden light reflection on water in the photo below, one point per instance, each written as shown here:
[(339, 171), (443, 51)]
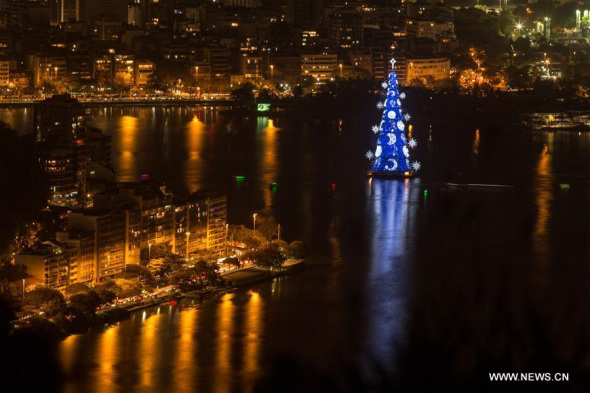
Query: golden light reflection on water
[(544, 195), (68, 350), (185, 368), (476, 142), (225, 330), (107, 356), (252, 335), (195, 133), (127, 168), (268, 157), (149, 345), (19, 119)]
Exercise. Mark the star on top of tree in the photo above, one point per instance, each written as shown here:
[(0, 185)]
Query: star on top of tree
[(384, 85), (380, 105), (407, 117), (402, 95), (369, 155), (375, 129), (416, 165), (392, 61), (412, 143)]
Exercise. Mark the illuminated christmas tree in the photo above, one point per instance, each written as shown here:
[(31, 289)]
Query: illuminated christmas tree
[(391, 156)]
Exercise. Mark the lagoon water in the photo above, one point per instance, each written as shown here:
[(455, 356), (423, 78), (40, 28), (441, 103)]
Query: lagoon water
[(411, 283)]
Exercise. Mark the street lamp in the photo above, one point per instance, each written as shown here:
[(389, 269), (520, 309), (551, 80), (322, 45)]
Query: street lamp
[(67, 281), (279, 232), (149, 252), (254, 218), (226, 237), (188, 234), (272, 72), (340, 65)]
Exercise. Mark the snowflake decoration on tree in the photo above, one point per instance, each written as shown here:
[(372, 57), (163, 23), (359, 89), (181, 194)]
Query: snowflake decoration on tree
[(384, 85), (400, 125), (375, 129), (416, 165), (402, 95), (369, 155), (407, 117), (412, 143), (380, 105)]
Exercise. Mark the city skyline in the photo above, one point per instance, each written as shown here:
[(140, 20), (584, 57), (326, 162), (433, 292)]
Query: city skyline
[(294, 195)]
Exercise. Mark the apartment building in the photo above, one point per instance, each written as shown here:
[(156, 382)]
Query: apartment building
[(52, 262), (110, 239), (4, 72), (216, 224), (144, 69), (251, 67), (427, 70), (321, 66)]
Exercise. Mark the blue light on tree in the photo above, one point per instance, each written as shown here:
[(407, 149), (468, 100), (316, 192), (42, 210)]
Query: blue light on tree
[(392, 155)]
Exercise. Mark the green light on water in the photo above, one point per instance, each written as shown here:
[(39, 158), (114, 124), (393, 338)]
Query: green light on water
[(240, 178)]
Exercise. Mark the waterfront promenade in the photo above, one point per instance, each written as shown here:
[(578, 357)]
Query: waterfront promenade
[(213, 100)]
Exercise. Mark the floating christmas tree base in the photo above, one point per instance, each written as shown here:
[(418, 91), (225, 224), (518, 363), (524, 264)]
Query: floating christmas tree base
[(391, 175)]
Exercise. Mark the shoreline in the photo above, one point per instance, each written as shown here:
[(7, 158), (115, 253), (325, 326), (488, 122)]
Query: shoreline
[(108, 318), (143, 102)]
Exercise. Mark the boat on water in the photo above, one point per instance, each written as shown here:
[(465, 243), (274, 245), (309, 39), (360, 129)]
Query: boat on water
[(567, 127), (557, 121)]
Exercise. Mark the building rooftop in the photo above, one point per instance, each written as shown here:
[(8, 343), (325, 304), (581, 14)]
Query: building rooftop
[(52, 247)]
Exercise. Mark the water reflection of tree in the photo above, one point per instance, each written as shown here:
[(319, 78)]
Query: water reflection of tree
[(475, 307)]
